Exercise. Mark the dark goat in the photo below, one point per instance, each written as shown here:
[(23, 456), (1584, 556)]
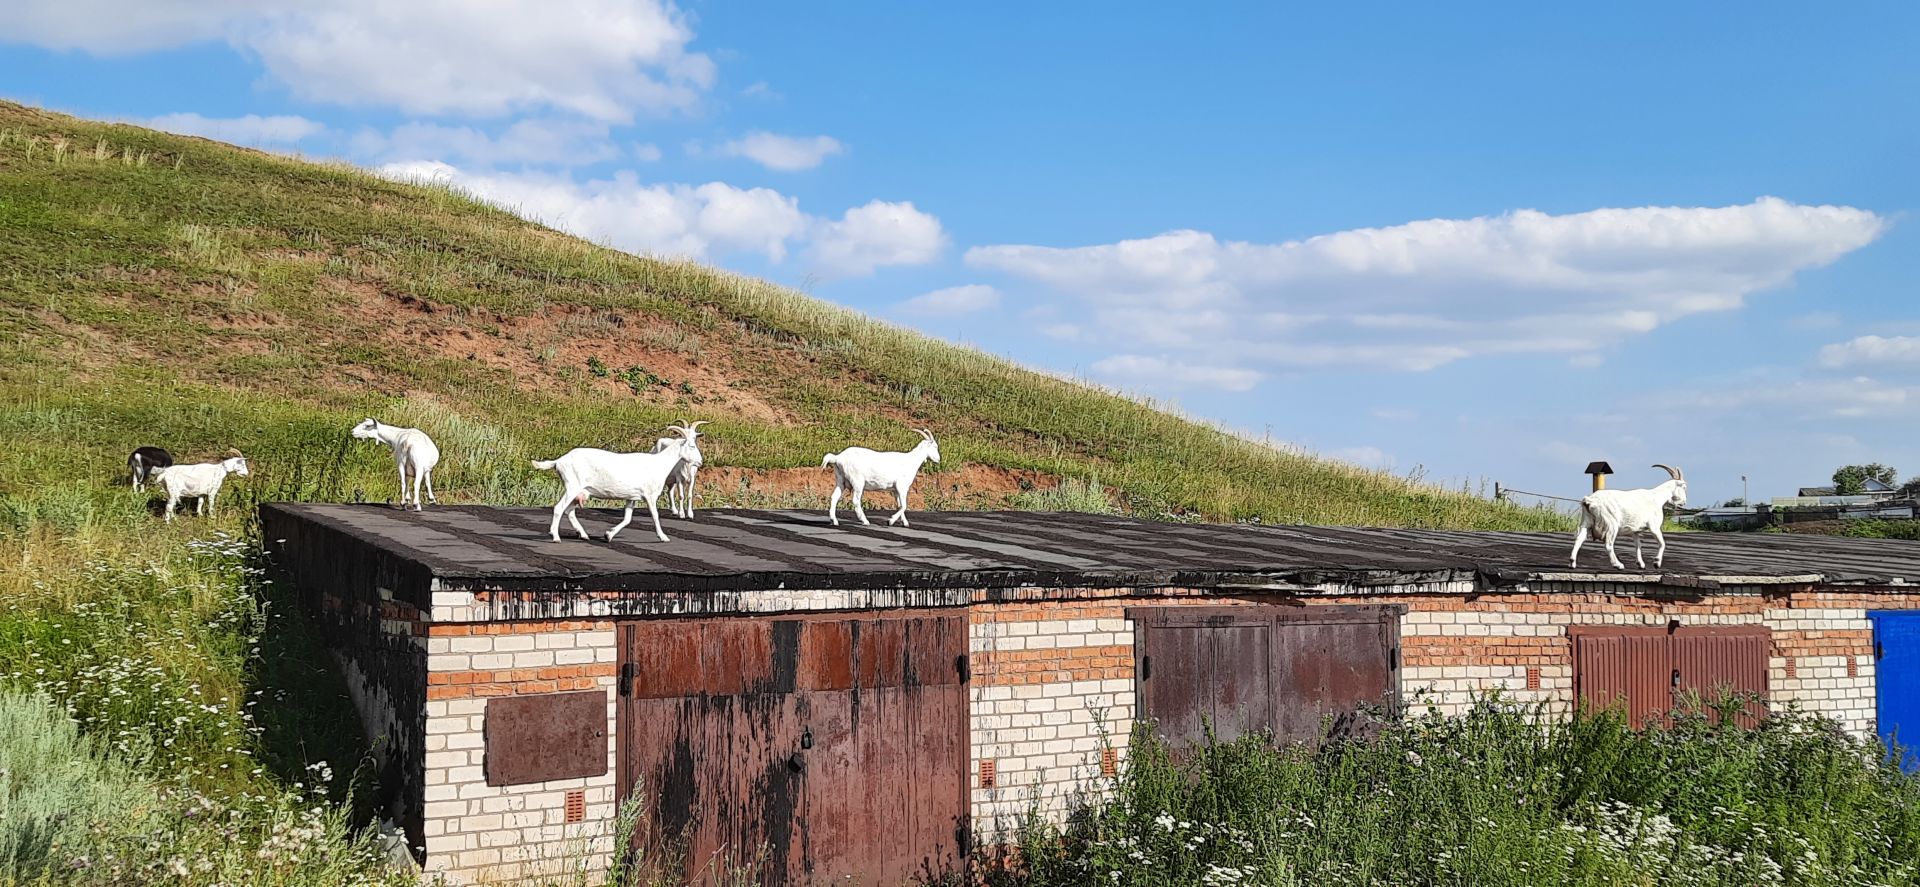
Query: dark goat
[(147, 462)]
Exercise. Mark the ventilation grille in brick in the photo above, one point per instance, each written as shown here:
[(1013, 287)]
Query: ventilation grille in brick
[(576, 806), (987, 773)]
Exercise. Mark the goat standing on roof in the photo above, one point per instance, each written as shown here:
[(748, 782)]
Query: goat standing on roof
[(680, 483), (857, 468), (602, 474), (1606, 513), (413, 453)]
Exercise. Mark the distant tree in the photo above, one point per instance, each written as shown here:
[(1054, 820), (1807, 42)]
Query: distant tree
[(1910, 489), (1851, 480), (1735, 502)]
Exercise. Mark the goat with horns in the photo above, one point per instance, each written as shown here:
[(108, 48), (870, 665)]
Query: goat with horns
[(602, 474), (1608, 513)]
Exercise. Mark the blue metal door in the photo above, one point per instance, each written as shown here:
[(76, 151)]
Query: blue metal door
[(1896, 648)]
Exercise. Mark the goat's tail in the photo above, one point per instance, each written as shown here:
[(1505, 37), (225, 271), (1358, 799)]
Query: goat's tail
[(828, 459), (545, 466)]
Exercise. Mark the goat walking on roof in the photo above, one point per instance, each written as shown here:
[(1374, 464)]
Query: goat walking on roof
[(1607, 513), (680, 482), (202, 481), (145, 464), (413, 453), (857, 468), (602, 474)]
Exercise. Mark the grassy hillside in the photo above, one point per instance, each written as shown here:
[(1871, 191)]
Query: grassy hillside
[(172, 291)]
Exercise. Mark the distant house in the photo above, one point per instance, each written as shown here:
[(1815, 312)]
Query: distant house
[(1872, 489), (1863, 504)]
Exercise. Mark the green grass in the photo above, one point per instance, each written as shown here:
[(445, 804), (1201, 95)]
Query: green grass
[(1500, 796)]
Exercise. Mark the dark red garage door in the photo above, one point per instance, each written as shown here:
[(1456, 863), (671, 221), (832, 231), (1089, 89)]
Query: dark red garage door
[(1258, 668), (816, 749), (1648, 670)]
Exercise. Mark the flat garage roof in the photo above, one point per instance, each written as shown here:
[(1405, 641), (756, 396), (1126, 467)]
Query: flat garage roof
[(481, 547)]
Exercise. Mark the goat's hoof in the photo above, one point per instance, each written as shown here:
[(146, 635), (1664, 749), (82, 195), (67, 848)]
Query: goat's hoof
[(609, 537), (663, 538)]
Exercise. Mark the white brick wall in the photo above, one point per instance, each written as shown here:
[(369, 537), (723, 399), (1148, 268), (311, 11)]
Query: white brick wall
[(482, 834), (1045, 739), (1821, 683)]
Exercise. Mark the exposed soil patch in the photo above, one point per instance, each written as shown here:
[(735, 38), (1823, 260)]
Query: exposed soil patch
[(564, 345), (970, 486)]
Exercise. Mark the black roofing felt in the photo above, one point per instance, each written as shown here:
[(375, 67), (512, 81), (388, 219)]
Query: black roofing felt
[(477, 546)]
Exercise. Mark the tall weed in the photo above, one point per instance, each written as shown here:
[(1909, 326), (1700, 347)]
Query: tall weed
[(1503, 795)]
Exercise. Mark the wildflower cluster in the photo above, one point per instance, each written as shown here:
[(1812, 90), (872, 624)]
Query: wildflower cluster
[(1504, 795)]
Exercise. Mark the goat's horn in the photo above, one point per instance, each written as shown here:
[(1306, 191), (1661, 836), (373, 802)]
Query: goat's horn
[(925, 433), (1675, 472), (691, 426)]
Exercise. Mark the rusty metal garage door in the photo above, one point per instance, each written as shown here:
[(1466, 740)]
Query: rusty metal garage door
[(1257, 668), (813, 749), (1650, 669)]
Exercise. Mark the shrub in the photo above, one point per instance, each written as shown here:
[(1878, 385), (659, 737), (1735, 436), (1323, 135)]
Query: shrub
[(54, 785)]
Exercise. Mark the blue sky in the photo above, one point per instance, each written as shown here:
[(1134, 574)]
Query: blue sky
[(1493, 244)]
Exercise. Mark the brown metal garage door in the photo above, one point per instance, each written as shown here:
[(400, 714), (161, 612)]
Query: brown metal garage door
[(818, 749), (1650, 669), (1254, 668)]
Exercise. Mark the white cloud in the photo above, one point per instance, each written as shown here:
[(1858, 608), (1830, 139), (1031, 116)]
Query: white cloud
[(954, 300), (113, 27), (691, 221), (783, 153), (1134, 369), (1586, 361), (695, 221), (759, 89), (647, 152), (1872, 350), (1857, 397), (1368, 457), (532, 142), (877, 234), (251, 129), (1420, 295), (603, 59)]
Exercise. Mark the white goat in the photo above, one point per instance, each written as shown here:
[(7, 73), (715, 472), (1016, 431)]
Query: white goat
[(857, 468), (1606, 513), (680, 482), (608, 475), (145, 464), (413, 453), (202, 480)]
